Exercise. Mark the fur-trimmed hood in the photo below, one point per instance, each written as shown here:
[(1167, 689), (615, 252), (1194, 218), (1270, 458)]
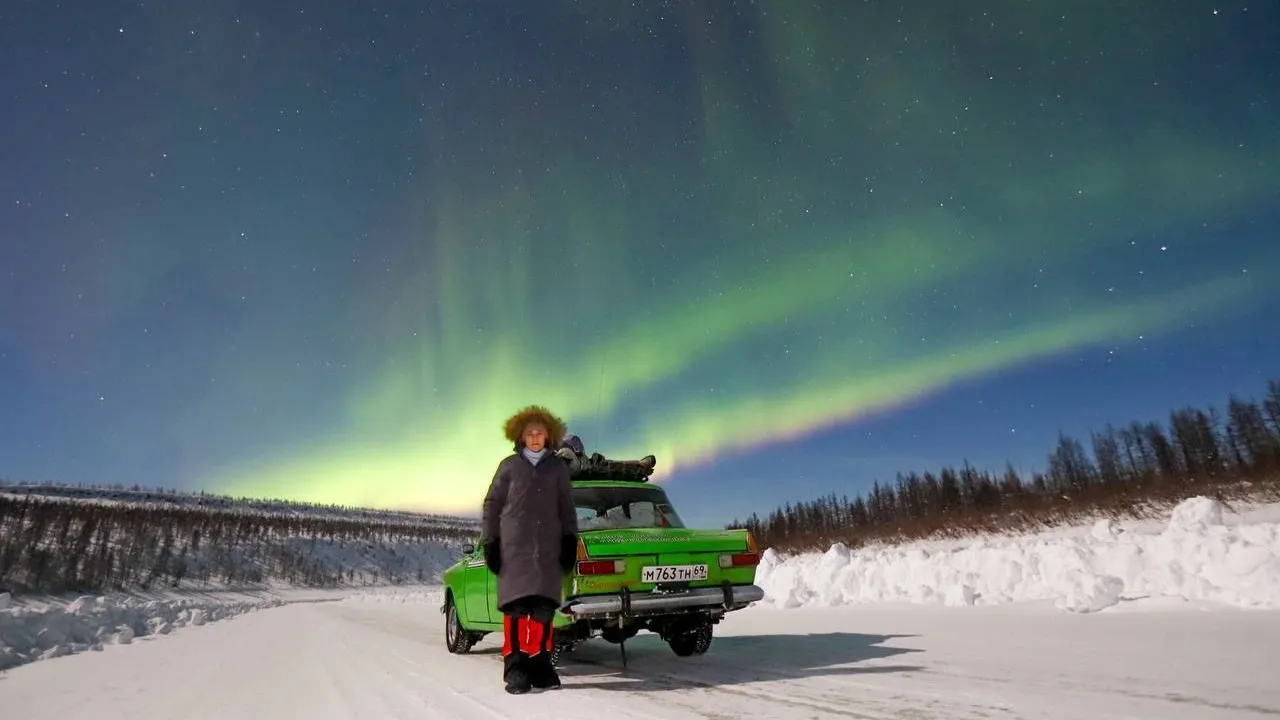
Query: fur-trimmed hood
[(515, 425)]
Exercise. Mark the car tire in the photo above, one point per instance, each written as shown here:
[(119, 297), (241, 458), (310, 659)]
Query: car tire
[(456, 639), (616, 636), (559, 649), (693, 642)]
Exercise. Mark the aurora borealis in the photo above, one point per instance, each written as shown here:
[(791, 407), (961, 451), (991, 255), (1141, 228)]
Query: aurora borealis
[(321, 252)]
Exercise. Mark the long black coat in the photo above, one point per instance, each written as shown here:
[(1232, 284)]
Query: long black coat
[(529, 509)]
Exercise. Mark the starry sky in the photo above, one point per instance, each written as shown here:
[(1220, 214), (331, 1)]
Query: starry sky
[(321, 251)]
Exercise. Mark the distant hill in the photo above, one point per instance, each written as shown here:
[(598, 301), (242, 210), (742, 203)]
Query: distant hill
[(57, 538)]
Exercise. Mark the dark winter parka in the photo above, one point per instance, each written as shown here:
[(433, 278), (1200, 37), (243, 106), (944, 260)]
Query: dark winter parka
[(530, 519)]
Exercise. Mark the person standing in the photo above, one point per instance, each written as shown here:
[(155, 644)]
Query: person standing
[(530, 534)]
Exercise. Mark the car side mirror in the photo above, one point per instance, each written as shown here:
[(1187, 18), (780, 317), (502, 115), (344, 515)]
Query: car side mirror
[(468, 549)]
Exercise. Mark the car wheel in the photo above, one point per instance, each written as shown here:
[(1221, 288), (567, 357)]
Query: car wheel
[(693, 642), (558, 650), (702, 640), (616, 636), (456, 639)]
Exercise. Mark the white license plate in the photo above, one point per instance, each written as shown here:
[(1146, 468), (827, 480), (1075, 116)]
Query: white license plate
[(673, 573)]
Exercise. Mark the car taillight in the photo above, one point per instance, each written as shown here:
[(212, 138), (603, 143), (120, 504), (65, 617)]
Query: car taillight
[(743, 559), (739, 560), (602, 567)]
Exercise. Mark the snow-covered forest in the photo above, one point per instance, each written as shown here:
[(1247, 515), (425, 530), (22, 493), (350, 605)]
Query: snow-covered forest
[(68, 539), (1138, 470)]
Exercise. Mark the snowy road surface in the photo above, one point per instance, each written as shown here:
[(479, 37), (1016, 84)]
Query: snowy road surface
[(383, 660)]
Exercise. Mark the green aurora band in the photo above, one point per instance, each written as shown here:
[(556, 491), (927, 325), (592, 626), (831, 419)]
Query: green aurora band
[(810, 293)]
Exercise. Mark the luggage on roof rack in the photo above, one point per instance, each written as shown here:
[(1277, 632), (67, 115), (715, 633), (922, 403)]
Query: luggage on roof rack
[(598, 467)]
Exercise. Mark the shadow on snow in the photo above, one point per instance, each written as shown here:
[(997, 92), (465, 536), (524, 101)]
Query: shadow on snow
[(731, 660)]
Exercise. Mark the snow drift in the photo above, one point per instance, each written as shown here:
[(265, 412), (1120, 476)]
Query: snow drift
[(430, 595), (1196, 556), (87, 623)]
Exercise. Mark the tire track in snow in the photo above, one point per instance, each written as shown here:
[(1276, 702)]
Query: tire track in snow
[(710, 689), (423, 656), (779, 694), (395, 695), (341, 661)]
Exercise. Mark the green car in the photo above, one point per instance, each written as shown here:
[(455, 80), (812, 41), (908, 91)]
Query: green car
[(639, 568)]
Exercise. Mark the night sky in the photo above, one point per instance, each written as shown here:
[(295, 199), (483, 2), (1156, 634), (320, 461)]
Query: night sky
[(322, 250)]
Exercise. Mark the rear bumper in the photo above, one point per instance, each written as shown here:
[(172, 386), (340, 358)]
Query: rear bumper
[(727, 597)]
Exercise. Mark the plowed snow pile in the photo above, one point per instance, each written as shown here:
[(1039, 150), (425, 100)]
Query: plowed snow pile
[(28, 634), (1197, 556)]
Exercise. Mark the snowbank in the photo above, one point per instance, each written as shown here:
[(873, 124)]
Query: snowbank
[(432, 594), (87, 623), (1196, 556)]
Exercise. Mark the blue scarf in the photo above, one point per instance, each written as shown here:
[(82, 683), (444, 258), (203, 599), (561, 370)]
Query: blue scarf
[(532, 456)]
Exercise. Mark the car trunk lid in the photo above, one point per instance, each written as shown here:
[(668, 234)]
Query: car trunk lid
[(662, 541)]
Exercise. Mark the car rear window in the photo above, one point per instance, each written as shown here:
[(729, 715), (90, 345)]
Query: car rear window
[(601, 508)]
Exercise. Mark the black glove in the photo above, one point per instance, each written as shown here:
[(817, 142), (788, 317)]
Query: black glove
[(493, 556), (568, 552)]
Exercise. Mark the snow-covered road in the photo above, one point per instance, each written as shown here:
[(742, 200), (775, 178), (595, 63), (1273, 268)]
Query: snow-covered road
[(375, 660)]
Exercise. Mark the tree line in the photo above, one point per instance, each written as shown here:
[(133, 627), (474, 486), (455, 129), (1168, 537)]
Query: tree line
[(1132, 469), (58, 544), (199, 498)]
